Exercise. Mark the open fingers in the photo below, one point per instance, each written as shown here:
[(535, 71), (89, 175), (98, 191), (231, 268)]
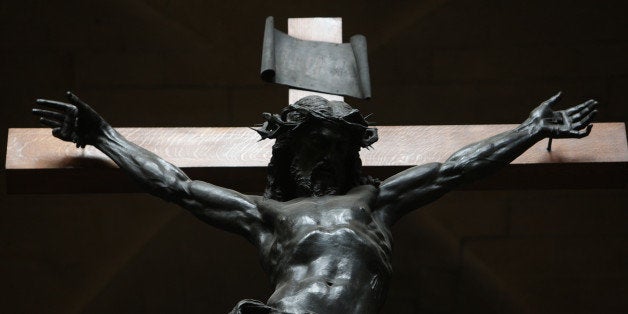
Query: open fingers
[(48, 114), (580, 124), (581, 134), (583, 108), (582, 114), (57, 105), (50, 123)]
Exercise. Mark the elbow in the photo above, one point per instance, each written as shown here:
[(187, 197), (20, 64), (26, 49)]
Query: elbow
[(169, 191), (169, 184)]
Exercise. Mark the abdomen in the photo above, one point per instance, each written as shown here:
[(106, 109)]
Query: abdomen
[(332, 270)]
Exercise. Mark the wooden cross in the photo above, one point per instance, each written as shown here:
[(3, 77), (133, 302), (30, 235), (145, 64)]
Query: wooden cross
[(232, 157)]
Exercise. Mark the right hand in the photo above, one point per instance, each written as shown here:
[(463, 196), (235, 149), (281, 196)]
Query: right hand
[(74, 122), (568, 123)]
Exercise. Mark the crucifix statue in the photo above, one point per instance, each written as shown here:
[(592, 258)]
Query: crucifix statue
[(322, 227)]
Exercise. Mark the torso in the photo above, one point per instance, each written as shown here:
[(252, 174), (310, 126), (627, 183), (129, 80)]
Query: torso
[(327, 254)]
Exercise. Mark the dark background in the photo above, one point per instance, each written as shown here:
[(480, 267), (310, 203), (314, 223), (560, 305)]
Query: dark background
[(195, 63)]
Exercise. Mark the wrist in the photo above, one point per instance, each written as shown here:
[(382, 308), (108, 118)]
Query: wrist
[(106, 135), (533, 128)]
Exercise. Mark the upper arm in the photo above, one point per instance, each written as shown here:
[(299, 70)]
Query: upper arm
[(223, 208), (420, 185), (411, 189)]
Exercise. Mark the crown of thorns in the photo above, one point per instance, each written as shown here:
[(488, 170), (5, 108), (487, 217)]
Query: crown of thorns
[(316, 108)]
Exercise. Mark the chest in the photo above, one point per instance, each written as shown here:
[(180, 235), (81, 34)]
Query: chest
[(354, 208)]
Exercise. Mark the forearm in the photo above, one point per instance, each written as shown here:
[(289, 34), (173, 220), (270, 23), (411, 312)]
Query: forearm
[(154, 174), (420, 185), (480, 159)]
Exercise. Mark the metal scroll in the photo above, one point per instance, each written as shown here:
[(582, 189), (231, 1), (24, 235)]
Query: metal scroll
[(340, 69)]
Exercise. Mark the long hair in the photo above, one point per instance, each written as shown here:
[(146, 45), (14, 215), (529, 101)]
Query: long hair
[(280, 184), (290, 124)]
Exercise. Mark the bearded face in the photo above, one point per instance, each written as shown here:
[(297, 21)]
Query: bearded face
[(318, 166), (316, 148)]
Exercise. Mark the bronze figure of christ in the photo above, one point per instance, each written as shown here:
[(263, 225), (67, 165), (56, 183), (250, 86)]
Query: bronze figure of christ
[(322, 228)]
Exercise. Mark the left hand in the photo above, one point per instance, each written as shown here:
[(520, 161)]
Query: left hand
[(566, 123)]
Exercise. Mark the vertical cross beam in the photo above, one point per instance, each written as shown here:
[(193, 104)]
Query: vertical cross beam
[(326, 29)]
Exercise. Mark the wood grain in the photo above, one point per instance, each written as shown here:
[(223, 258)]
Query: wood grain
[(36, 162), (326, 29)]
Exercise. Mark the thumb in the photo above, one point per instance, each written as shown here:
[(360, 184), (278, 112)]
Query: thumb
[(76, 101), (553, 100)]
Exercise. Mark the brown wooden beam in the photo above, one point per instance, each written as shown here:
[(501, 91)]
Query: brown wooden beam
[(36, 162)]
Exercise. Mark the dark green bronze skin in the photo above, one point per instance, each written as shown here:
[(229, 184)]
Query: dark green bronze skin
[(326, 240)]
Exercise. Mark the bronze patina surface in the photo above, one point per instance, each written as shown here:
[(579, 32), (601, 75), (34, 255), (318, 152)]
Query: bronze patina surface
[(322, 228), (339, 69)]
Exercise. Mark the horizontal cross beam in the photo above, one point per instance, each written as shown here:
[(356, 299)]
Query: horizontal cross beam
[(233, 157)]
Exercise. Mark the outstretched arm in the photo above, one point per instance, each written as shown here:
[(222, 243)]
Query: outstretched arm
[(223, 208), (420, 185)]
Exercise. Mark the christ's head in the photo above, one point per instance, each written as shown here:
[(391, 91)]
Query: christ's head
[(317, 149)]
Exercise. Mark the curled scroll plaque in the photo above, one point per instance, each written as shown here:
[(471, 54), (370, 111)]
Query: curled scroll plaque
[(339, 69)]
